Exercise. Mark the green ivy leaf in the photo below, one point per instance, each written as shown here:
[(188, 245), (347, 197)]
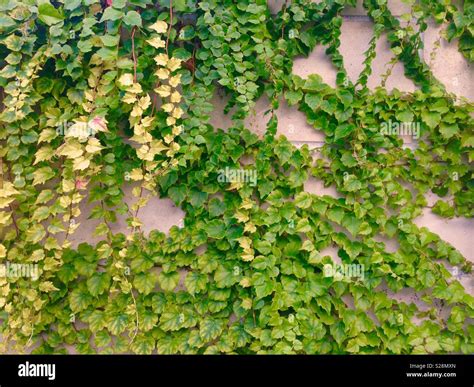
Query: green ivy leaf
[(432, 119), (172, 320), (145, 282), (195, 282), (168, 281), (98, 283), (102, 339), (96, 320), (112, 14), (143, 345), (225, 276), (35, 233), (210, 329), (79, 300), (41, 175), (215, 229), (118, 323), (448, 130), (293, 97), (303, 200), (313, 101), (133, 18), (110, 40), (50, 15), (343, 131), (263, 285)]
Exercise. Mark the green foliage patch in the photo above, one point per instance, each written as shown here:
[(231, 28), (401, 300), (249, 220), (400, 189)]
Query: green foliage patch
[(99, 97)]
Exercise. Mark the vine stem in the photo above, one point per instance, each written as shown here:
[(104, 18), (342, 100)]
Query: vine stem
[(14, 221), (390, 66), (10, 206), (102, 204), (171, 25), (31, 336), (285, 5), (134, 55), (436, 47), (70, 218), (194, 65), (153, 105), (136, 317), (1, 172)]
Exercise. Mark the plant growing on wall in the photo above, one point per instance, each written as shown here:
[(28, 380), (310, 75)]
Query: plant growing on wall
[(103, 96)]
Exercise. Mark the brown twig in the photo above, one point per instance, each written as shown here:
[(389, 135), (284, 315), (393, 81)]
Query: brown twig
[(1, 172), (68, 231), (283, 23), (11, 208), (14, 221), (171, 24), (133, 55)]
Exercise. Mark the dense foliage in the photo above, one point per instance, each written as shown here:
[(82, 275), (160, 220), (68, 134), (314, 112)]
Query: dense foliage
[(101, 95)]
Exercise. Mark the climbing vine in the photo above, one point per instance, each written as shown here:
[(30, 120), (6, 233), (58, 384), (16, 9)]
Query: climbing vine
[(99, 98)]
